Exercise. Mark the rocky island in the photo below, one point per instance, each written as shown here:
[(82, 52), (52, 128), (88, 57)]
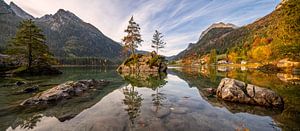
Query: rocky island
[(151, 62)]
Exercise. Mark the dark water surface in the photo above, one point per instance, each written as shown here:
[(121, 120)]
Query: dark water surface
[(173, 101)]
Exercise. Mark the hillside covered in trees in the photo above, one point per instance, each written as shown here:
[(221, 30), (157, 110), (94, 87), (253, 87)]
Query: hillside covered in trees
[(273, 37)]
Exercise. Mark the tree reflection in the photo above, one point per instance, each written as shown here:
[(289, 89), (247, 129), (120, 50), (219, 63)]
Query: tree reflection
[(133, 100), (30, 123), (158, 98), (213, 73)]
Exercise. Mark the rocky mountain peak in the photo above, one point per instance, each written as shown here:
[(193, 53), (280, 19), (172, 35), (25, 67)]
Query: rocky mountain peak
[(218, 25), (5, 8), (20, 12), (65, 15), (60, 18)]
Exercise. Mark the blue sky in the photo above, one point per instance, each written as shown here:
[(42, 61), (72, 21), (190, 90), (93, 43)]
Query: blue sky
[(181, 21)]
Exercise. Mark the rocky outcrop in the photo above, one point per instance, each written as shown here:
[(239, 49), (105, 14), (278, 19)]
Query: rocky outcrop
[(237, 91), (144, 63), (64, 91)]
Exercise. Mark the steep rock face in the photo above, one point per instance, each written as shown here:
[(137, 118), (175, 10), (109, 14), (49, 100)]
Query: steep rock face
[(237, 91), (20, 12), (143, 63), (217, 25), (64, 91)]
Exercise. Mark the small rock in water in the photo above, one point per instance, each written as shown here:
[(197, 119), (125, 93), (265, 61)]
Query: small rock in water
[(210, 91), (180, 110), (19, 83), (31, 89), (27, 90)]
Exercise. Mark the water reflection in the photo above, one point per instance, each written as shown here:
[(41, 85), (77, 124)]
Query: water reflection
[(31, 122), (286, 85), (149, 80), (173, 101), (158, 98), (133, 100), (27, 118), (289, 78)]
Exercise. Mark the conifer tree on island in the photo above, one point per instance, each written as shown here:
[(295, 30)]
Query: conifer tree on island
[(29, 43), (157, 42), (133, 38)]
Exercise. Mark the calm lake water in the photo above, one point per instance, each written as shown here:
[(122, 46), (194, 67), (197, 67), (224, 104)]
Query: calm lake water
[(172, 101)]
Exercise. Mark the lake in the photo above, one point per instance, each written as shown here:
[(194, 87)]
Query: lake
[(172, 101)]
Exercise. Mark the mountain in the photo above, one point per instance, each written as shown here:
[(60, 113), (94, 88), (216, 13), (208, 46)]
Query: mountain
[(19, 12), (67, 35), (272, 37), (8, 24), (207, 40), (217, 25)]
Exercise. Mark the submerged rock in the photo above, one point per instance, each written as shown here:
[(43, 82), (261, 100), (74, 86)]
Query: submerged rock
[(237, 91), (31, 89), (19, 83), (144, 63), (209, 91), (27, 90), (64, 91)]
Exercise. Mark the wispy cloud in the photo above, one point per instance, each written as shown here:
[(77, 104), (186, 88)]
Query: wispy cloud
[(181, 21)]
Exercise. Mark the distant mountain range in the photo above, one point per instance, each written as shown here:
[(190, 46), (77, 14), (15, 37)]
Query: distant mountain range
[(277, 32), (67, 35)]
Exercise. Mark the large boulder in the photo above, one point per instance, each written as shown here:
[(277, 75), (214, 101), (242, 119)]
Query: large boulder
[(64, 91), (144, 63), (237, 91)]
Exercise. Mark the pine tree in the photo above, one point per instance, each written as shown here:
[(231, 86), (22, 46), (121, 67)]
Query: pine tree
[(133, 38), (157, 42), (29, 43)]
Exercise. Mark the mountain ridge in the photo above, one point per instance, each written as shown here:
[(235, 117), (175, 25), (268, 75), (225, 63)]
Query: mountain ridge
[(20, 12), (218, 25), (67, 35)]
